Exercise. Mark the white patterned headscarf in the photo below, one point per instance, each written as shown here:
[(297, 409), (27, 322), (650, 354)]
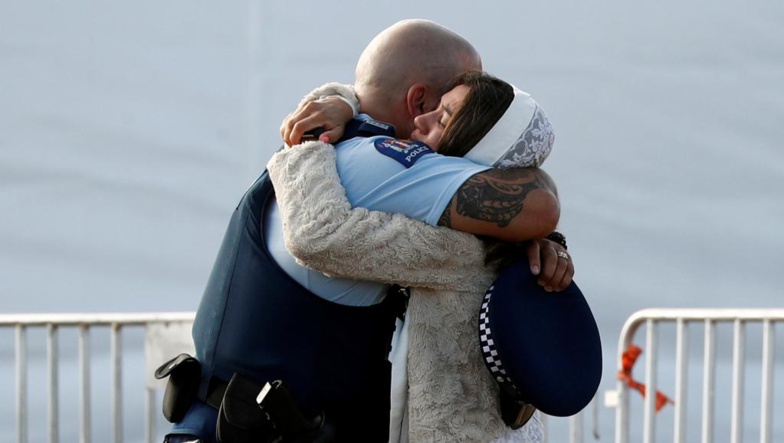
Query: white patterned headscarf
[(522, 137)]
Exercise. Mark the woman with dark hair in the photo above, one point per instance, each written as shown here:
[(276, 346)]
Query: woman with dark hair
[(442, 391), (478, 103), (471, 107)]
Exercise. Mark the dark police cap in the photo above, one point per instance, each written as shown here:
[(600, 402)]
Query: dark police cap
[(542, 347)]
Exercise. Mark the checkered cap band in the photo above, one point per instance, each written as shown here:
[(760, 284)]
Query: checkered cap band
[(489, 352)]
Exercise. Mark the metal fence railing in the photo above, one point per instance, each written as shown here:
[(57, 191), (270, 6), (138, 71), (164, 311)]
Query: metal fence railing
[(727, 342), (158, 336), (157, 330)]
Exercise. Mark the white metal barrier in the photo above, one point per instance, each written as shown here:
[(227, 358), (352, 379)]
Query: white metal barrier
[(738, 322), (164, 335)]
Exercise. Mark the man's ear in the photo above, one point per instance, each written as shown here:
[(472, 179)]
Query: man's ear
[(417, 99)]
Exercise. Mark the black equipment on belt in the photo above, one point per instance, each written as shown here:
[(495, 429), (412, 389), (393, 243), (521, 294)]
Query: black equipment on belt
[(248, 411)]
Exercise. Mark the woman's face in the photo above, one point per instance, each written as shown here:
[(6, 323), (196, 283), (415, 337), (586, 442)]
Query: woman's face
[(429, 127)]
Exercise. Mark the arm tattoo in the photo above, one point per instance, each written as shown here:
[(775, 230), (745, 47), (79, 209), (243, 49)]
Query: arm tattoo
[(495, 196)]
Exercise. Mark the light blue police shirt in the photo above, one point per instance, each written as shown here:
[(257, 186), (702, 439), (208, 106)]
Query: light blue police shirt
[(382, 174)]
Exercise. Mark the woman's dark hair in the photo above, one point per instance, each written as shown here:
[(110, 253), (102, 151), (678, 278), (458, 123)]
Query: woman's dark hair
[(487, 100)]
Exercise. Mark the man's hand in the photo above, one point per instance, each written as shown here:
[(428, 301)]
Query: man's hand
[(551, 263), (328, 113)]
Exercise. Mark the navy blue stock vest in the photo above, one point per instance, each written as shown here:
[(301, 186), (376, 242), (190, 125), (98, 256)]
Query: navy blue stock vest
[(256, 320)]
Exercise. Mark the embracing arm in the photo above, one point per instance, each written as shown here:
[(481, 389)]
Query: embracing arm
[(328, 107), (512, 204), (324, 233)]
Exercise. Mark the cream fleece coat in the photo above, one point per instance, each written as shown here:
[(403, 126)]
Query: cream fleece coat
[(452, 397)]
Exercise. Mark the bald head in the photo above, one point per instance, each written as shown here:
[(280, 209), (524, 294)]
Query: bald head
[(409, 53)]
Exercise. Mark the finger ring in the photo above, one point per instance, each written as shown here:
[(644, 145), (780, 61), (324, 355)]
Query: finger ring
[(562, 254)]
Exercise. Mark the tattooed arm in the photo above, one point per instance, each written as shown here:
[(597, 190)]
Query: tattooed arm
[(508, 204)]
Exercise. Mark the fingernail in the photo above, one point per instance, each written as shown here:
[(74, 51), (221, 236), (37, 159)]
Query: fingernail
[(548, 289), (535, 270), (324, 139)]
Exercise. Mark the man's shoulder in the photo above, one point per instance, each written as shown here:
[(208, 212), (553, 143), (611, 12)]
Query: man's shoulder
[(404, 151), (359, 141), (388, 160)]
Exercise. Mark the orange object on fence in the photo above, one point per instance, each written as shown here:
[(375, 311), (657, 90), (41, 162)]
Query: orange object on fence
[(628, 360)]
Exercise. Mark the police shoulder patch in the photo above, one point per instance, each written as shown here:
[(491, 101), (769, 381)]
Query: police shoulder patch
[(405, 152)]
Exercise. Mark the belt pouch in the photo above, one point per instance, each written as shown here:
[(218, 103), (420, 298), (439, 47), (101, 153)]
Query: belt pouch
[(184, 374), (241, 419)]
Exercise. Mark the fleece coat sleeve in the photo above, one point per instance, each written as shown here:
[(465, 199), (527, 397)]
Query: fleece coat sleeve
[(324, 233)]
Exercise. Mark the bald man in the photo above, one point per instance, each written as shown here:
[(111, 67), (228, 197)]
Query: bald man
[(263, 318)]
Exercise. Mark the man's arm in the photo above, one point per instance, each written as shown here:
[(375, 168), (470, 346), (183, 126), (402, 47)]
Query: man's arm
[(508, 204)]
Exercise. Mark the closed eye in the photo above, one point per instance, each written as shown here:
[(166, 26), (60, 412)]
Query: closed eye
[(448, 112)]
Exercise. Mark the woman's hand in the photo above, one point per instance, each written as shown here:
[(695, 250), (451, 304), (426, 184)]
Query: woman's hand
[(329, 113), (551, 263)]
